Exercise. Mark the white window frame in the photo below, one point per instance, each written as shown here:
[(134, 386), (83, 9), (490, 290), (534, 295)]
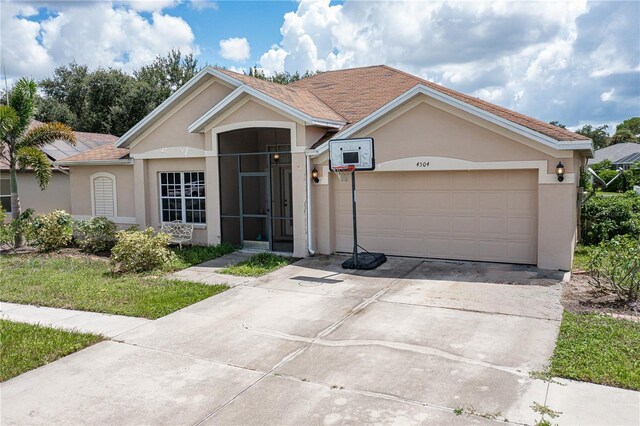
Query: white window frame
[(182, 196), (93, 195)]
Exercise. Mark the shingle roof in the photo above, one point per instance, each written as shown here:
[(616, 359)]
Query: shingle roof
[(357, 92), (60, 150), (615, 152), (102, 153), (296, 97)]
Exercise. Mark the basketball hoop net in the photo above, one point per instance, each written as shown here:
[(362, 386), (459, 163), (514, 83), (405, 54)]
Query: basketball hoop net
[(343, 172)]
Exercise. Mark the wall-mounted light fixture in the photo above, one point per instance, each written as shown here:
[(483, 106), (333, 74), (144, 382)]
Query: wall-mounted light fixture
[(276, 158), (314, 175), (560, 171)]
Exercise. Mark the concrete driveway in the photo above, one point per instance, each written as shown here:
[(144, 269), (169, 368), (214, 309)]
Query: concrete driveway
[(315, 344)]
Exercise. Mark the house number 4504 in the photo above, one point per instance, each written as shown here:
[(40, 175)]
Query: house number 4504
[(422, 164)]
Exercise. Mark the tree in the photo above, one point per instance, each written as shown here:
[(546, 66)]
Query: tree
[(623, 135), (598, 135), (20, 145), (168, 73), (631, 124)]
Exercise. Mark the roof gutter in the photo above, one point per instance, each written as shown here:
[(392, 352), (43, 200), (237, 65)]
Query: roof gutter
[(123, 162)]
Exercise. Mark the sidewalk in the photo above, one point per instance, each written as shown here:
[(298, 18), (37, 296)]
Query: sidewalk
[(82, 321), (209, 271)]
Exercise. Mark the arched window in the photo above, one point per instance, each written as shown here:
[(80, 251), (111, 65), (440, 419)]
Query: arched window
[(103, 195)]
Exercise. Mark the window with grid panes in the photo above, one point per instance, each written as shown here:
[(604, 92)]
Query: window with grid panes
[(182, 197)]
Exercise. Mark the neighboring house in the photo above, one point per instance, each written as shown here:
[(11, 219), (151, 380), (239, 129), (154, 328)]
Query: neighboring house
[(57, 195), (621, 155), (455, 178)]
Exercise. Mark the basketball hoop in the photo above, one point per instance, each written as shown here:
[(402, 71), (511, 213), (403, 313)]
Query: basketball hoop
[(343, 172)]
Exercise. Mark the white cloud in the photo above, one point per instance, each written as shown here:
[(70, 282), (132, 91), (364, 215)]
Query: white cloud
[(608, 95), (98, 34), (200, 5), (235, 49), (521, 55)]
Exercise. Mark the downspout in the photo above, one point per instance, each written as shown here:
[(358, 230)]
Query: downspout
[(309, 223)]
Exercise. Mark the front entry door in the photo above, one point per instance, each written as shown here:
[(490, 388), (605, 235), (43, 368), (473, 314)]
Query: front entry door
[(255, 213), (287, 207)]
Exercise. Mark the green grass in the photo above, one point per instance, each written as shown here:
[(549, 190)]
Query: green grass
[(86, 284), (257, 265), (599, 349), (581, 257), (24, 347), (194, 255)]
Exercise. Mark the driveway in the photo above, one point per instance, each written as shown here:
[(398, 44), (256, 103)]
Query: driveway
[(315, 344)]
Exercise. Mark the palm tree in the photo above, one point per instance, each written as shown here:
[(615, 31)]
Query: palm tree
[(20, 145)]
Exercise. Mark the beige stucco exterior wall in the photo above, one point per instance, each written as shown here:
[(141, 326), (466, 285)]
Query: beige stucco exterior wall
[(80, 184), (427, 128), (56, 197), (171, 128)]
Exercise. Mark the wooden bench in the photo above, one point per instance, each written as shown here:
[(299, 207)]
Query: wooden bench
[(179, 232)]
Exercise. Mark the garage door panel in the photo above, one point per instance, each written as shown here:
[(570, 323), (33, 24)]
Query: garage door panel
[(439, 201), (483, 215), (412, 224), (492, 225), (493, 201), (439, 224), (413, 200), (464, 225), (465, 200)]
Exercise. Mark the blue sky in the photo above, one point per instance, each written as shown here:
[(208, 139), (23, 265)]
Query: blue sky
[(573, 61)]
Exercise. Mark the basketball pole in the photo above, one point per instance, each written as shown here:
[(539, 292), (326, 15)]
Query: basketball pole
[(355, 224)]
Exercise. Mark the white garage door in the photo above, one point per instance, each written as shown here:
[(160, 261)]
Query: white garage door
[(469, 215)]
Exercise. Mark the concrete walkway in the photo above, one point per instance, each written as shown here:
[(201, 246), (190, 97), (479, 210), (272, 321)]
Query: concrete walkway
[(209, 271), (87, 322)]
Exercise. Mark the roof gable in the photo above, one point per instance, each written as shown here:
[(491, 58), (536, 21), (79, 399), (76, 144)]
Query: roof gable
[(358, 92)]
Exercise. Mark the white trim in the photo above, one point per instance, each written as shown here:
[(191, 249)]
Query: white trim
[(170, 152), (410, 164), (124, 220), (182, 196), (200, 125), (95, 176), (492, 118), (125, 162)]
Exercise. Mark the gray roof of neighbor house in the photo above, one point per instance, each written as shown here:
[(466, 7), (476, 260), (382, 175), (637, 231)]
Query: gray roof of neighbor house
[(616, 152), (61, 150)]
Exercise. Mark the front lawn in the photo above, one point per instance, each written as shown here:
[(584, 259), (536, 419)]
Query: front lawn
[(257, 265), (194, 255), (86, 283), (24, 347), (599, 349)]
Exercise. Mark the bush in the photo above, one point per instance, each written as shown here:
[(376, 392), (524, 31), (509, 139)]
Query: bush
[(21, 225), (96, 235), (51, 231), (140, 251), (605, 217), (614, 268)]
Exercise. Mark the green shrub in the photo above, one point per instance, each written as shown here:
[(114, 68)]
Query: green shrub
[(96, 235), (51, 231), (140, 251), (605, 217), (614, 267), (21, 225)]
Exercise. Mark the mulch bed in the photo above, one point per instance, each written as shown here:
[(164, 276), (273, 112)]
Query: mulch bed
[(579, 296)]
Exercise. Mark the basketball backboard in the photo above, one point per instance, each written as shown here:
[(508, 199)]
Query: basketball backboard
[(352, 152)]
